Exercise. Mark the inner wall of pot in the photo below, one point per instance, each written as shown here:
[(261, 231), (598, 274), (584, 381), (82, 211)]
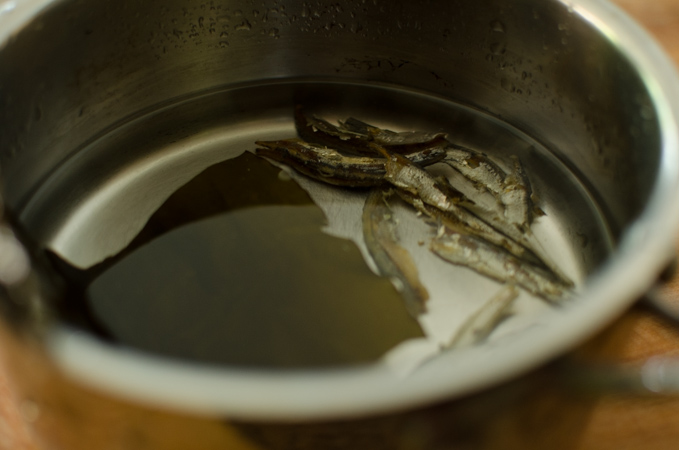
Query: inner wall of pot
[(81, 68)]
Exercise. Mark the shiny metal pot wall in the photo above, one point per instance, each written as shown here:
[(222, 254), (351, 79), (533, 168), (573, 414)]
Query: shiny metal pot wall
[(579, 78), (75, 70)]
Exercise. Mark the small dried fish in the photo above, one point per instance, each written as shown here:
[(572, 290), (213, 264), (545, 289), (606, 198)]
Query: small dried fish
[(325, 164), (513, 207), (486, 203), (514, 193), (392, 260), (516, 197), (401, 173), (477, 167), (479, 326), (402, 142), (425, 157), (330, 166), (495, 262), (463, 221), (321, 132), (441, 201), (354, 137)]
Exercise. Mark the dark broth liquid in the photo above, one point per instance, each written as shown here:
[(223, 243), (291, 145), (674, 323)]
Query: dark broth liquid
[(234, 269)]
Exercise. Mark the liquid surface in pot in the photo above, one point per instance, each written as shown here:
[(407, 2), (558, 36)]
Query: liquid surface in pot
[(234, 268), (127, 173)]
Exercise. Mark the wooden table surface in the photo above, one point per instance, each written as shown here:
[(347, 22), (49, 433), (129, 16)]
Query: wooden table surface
[(547, 415)]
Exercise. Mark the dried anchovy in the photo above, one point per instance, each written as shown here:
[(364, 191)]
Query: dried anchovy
[(476, 167), (402, 142), (354, 137), (513, 207), (441, 201), (392, 260), (401, 173), (495, 262), (517, 197), (486, 203), (325, 164), (330, 166), (321, 132), (463, 221), (479, 326), (513, 191)]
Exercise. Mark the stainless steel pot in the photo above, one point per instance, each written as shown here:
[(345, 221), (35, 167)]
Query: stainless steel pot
[(92, 93)]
